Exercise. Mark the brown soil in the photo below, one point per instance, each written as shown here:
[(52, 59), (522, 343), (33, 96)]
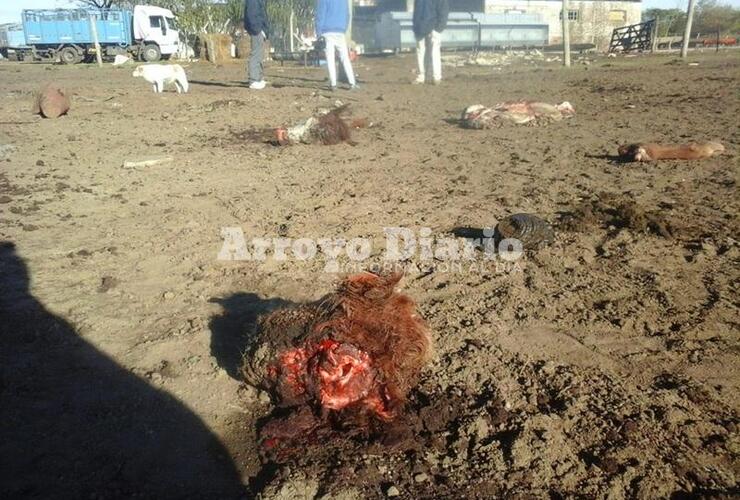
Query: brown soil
[(604, 365)]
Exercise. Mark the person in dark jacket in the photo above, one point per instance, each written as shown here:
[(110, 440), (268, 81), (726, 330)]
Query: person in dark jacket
[(430, 20), (258, 27), (332, 20)]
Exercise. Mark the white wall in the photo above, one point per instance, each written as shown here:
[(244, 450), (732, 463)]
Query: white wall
[(596, 19)]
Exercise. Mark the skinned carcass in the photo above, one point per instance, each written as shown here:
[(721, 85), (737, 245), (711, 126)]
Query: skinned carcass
[(517, 112)]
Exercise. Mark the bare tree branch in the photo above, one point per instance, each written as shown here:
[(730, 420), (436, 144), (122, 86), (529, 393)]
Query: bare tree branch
[(97, 4)]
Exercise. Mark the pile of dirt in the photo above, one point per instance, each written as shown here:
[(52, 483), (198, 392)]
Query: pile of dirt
[(458, 441), (616, 212)]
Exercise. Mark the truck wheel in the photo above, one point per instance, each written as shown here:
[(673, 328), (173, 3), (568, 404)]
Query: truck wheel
[(69, 55), (151, 53)]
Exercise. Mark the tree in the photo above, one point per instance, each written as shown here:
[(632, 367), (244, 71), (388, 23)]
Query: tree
[(670, 21), (279, 13), (225, 16), (97, 4), (712, 16)]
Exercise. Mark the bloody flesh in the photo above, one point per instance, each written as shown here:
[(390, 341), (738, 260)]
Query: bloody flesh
[(336, 374), (330, 364)]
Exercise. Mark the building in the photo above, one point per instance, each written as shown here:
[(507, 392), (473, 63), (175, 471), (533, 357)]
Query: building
[(591, 21)]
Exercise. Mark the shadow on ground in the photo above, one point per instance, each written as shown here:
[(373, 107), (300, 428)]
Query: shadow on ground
[(230, 330), (77, 425)]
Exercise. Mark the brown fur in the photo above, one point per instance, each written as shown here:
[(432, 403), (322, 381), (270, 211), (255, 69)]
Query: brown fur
[(51, 102), (329, 129), (649, 151), (332, 129), (370, 314), (366, 312)]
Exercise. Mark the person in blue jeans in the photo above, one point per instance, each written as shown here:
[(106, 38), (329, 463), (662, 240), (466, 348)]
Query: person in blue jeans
[(258, 27), (332, 20)]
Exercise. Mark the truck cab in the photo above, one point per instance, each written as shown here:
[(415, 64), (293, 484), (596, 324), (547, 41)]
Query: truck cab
[(156, 31), (70, 35)]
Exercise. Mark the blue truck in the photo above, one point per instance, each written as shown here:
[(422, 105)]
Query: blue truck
[(148, 33), (12, 41)]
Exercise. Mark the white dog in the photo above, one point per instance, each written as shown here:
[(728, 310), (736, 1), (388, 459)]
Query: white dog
[(159, 74)]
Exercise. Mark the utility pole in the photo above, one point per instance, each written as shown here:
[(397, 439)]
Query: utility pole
[(94, 30), (687, 31), (349, 24), (566, 34)]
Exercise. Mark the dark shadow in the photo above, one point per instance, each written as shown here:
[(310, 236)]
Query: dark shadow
[(75, 424), (476, 233), (229, 85), (288, 82), (316, 81), (610, 158), (295, 85), (467, 232), (230, 330), (454, 121)]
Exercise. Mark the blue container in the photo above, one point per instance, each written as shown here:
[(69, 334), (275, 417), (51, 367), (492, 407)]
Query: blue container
[(394, 30), (73, 26)]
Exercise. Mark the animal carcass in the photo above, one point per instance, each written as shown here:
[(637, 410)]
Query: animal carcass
[(353, 354), (51, 102), (327, 127), (649, 151), (517, 112)]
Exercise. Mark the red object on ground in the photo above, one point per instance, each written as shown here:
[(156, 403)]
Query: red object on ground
[(334, 374), (359, 349)]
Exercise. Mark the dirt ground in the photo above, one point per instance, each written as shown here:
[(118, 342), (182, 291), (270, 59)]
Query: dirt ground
[(605, 365)]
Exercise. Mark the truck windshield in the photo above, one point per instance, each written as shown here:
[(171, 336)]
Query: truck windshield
[(172, 24)]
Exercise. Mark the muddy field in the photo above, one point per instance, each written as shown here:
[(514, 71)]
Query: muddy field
[(605, 365)]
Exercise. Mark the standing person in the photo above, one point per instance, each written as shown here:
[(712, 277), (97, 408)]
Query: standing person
[(332, 20), (430, 20), (256, 24)]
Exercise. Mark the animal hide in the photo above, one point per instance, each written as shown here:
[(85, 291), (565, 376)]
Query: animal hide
[(327, 127), (649, 151), (517, 112), (358, 350), (51, 102)]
